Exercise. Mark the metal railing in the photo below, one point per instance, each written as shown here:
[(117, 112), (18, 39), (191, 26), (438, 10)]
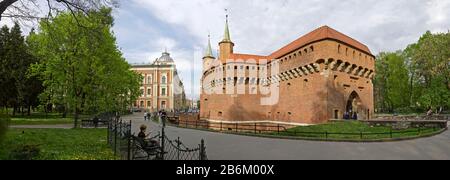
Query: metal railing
[(129, 147), (281, 130), (256, 128)]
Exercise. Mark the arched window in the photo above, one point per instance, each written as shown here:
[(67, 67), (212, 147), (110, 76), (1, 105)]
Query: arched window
[(312, 48), (150, 79), (164, 80), (339, 48), (149, 91)]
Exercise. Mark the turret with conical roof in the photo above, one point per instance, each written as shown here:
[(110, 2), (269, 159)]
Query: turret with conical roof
[(226, 45), (208, 58), (208, 52)]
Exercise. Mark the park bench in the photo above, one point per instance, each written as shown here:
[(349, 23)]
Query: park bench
[(89, 123), (144, 150)]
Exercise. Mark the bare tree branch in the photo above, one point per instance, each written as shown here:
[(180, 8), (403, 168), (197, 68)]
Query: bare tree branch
[(4, 5), (29, 9)]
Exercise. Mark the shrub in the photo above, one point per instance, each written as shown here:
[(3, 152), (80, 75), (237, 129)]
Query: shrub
[(25, 152), (4, 122)]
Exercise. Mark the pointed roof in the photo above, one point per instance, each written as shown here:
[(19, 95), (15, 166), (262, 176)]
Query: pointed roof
[(226, 36), (208, 52), (319, 34)]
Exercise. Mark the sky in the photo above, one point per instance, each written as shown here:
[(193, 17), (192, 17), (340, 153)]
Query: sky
[(145, 28)]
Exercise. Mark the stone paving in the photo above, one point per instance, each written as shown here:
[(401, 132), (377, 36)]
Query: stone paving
[(221, 146)]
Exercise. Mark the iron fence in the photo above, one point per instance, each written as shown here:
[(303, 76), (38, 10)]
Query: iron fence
[(159, 147), (278, 129)]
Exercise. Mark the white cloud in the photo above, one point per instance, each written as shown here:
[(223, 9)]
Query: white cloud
[(263, 26)]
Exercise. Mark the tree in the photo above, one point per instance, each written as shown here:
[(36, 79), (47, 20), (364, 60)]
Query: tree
[(416, 78), (431, 58), (18, 89), (391, 82), (82, 67), (29, 9)]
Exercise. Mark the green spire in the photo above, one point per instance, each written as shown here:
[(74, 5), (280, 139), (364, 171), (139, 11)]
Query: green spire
[(226, 37), (208, 53)]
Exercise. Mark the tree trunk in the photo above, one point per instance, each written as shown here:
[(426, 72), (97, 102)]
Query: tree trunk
[(75, 118), (29, 111), (14, 110)]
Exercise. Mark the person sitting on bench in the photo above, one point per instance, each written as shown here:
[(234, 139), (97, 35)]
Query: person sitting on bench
[(143, 136)]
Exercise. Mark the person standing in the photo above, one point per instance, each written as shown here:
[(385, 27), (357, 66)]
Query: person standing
[(145, 116), (355, 116)]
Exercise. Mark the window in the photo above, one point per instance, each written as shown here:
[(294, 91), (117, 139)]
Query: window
[(164, 80), (142, 92), (339, 48), (149, 104), (312, 48), (163, 91), (346, 51), (305, 83), (141, 104), (336, 114), (149, 91), (306, 51), (150, 79)]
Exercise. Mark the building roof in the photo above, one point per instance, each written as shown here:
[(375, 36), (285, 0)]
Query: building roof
[(248, 56), (319, 34), (165, 58), (208, 52), (226, 36)]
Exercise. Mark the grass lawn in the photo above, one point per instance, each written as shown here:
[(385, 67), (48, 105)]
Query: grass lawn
[(352, 131), (59, 144), (44, 119)]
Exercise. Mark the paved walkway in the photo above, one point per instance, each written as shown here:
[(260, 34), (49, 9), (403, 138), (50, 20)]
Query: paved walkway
[(58, 126), (234, 147)]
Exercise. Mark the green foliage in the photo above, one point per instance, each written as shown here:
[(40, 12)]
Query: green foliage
[(57, 144), (391, 81), (417, 78), (18, 89), (82, 67)]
